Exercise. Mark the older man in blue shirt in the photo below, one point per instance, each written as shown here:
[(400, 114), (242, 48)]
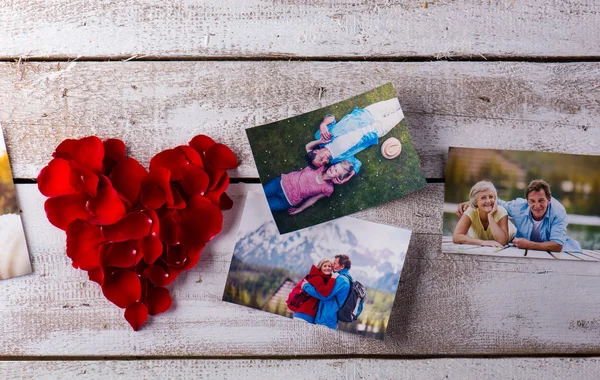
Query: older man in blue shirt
[(541, 220)]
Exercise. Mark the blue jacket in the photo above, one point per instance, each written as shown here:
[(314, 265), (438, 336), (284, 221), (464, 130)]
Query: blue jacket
[(357, 119), (329, 306), (554, 225)]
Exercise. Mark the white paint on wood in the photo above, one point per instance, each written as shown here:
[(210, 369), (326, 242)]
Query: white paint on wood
[(157, 105), (317, 369), (256, 28), (533, 254)]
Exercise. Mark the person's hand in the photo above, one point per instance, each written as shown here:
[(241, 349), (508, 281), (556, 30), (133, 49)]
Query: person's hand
[(325, 140), (461, 209), (325, 134), (494, 210), (492, 243), (521, 243), (338, 181), (294, 210)]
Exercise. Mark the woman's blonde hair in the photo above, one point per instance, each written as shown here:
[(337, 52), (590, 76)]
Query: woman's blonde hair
[(323, 261), (478, 188)]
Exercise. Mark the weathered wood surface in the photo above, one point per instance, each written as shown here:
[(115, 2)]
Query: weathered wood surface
[(256, 28), (446, 304), (155, 105), (315, 369)]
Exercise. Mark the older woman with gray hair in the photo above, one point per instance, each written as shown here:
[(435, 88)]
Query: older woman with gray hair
[(484, 222)]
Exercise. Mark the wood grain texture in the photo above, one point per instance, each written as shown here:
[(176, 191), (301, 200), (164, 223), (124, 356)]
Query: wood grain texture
[(155, 105), (316, 28), (446, 304), (324, 369)]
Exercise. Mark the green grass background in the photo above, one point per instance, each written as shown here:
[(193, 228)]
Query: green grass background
[(279, 148)]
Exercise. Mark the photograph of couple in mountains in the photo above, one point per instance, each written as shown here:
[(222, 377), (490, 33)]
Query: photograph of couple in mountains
[(341, 274), (337, 160), (543, 204)]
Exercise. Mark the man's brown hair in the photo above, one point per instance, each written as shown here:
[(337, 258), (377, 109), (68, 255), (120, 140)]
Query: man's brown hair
[(344, 260), (537, 185)]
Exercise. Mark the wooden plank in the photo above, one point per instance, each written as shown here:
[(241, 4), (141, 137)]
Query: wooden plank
[(533, 254), (590, 253), (317, 369), (156, 105), (254, 28), (57, 311), (568, 256)]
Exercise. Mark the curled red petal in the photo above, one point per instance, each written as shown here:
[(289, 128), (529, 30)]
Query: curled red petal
[(192, 257), (114, 152), (96, 275), (170, 159), (156, 274), (172, 274), (83, 244), (178, 201), (133, 226), (155, 222), (194, 180), (158, 299), (120, 255), (219, 156), (106, 207), (225, 203), (199, 225), (126, 178), (169, 229), (201, 143), (87, 179), (157, 178), (151, 247), (222, 185), (192, 156), (122, 288), (61, 211), (57, 179), (87, 152), (136, 314), (176, 256), (215, 176)]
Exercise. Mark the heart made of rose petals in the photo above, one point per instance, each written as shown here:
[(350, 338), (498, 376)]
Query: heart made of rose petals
[(134, 230)]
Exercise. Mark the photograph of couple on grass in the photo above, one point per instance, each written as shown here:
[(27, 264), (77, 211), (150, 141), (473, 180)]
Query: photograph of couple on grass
[(342, 274), (337, 160), (14, 258), (522, 204)]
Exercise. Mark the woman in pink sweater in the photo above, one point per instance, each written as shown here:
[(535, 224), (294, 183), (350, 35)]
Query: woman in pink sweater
[(298, 190)]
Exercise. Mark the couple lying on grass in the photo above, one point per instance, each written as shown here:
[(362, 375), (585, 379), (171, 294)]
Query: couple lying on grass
[(540, 221), (330, 157)]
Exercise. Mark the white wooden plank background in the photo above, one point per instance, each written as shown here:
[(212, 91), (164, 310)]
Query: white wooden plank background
[(324, 369), (156, 105), (259, 28)]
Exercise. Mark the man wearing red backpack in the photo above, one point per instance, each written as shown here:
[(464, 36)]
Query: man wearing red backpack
[(329, 305)]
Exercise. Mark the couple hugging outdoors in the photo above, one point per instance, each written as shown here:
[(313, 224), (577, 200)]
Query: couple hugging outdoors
[(327, 294), (330, 157), (540, 221)]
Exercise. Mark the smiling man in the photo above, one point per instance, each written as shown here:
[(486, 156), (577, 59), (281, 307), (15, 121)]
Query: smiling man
[(541, 220)]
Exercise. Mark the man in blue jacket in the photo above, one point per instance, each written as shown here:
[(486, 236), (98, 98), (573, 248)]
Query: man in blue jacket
[(358, 130), (329, 306)]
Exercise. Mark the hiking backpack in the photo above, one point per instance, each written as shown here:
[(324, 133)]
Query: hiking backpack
[(353, 305), (296, 298)]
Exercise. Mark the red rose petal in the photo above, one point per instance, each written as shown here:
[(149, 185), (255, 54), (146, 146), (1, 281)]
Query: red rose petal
[(191, 155), (120, 255), (57, 179), (114, 152), (176, 256), (96, 275), (126, 178), (172, 274), (201, 143), (83, 243), (87, 152), (106, 207), (170, 159), (156, 274), (219, 156), (155, 222), (61, 211), (178, 202), (197, 201), (133, 226), (225, 203), (199, 225), (193, 255), (136, 314), (87, 181), (159, 177), (215, 176), (194, 180), (169, 230), (151, 247), (153, 197), (158, 300), (122, 288), (222, 185)]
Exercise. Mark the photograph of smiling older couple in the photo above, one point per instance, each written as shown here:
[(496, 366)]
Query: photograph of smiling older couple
[(522, 203)]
